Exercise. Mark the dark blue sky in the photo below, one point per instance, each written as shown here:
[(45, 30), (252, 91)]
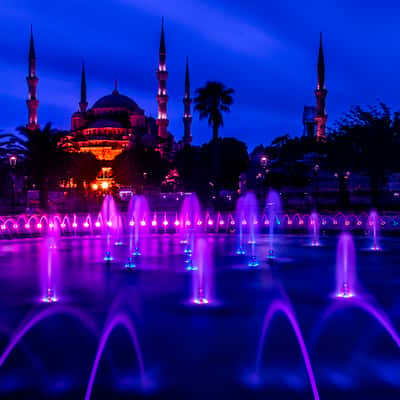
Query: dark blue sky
[(266, 51)]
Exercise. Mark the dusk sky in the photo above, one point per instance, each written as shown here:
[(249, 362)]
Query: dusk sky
[(266, 51)]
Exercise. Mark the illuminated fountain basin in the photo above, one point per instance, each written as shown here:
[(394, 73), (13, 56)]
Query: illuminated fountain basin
[(181, 346)]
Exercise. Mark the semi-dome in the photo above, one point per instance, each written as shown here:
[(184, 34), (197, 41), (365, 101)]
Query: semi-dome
[(117, 100)]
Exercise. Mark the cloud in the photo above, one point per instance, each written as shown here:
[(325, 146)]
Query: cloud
[(216, 25)]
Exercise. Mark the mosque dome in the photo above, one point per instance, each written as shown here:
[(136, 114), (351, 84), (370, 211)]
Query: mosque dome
[(117, 100)]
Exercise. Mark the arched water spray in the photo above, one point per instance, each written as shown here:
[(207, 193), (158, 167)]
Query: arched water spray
[(346, 284), (377, 314), (49, 312), (278, 306), (125, 322)]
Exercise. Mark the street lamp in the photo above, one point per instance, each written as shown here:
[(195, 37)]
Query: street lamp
[(13, 161)]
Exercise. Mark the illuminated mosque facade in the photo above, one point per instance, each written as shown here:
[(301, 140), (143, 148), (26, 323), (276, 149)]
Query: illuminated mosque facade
[(113, 123)]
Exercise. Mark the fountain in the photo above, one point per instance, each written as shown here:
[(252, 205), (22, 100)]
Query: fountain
[(190, 215), (374, 229), (201, 281), (48, 264), (110, 223), (139, 218), (246, 215), (123, 321), (314, 227), (345, 267), (276, 307), (273, 208)]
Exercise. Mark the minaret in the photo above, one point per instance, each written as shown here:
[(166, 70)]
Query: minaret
[(32, 80), (320, 93), (83, 103), (187, 115), (162, 97)]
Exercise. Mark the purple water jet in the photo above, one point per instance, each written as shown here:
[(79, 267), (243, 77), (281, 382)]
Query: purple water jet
[(314, 228), (279, 306), (273, 211), (139, 218), (125, 322), (32, 322), (374, 229), (201, 281), (346, 267)]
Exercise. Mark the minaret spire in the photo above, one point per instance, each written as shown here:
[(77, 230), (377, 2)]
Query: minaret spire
[(187, 102), (162, 97), (83, 103), (321, 93), (32, 80)]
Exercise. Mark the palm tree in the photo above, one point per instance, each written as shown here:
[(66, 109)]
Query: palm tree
[(41, 155), (211, 101)]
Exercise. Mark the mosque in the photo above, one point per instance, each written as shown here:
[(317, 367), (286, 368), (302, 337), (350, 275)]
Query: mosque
[(115, 121)]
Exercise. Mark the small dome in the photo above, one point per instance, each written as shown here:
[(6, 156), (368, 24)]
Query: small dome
[(117, 100)]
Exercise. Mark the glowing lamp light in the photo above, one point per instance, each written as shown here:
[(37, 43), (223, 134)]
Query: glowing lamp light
[(51, 225), (187, 223), (15, 226), (233, 222), (109, 224), (63, 225), (27, 226), (221, 222), (210, 222), (255, 222), (142, 222), (371, 223), (312, 222), (244, 222), (335, 222), (199, 222), (39, 226), (97, 224), (290, 222), (86, 224), (74, 225), (301, 222), (131, 223), (3, 227), (165, 222), (266, 222), (154, 223), (95, 186), (104, 185), (347, 223), (359, 223)]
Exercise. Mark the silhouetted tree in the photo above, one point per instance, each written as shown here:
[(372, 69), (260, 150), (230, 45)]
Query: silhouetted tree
[(211, 101), (367, 140), (44, 161), (140, 166)]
